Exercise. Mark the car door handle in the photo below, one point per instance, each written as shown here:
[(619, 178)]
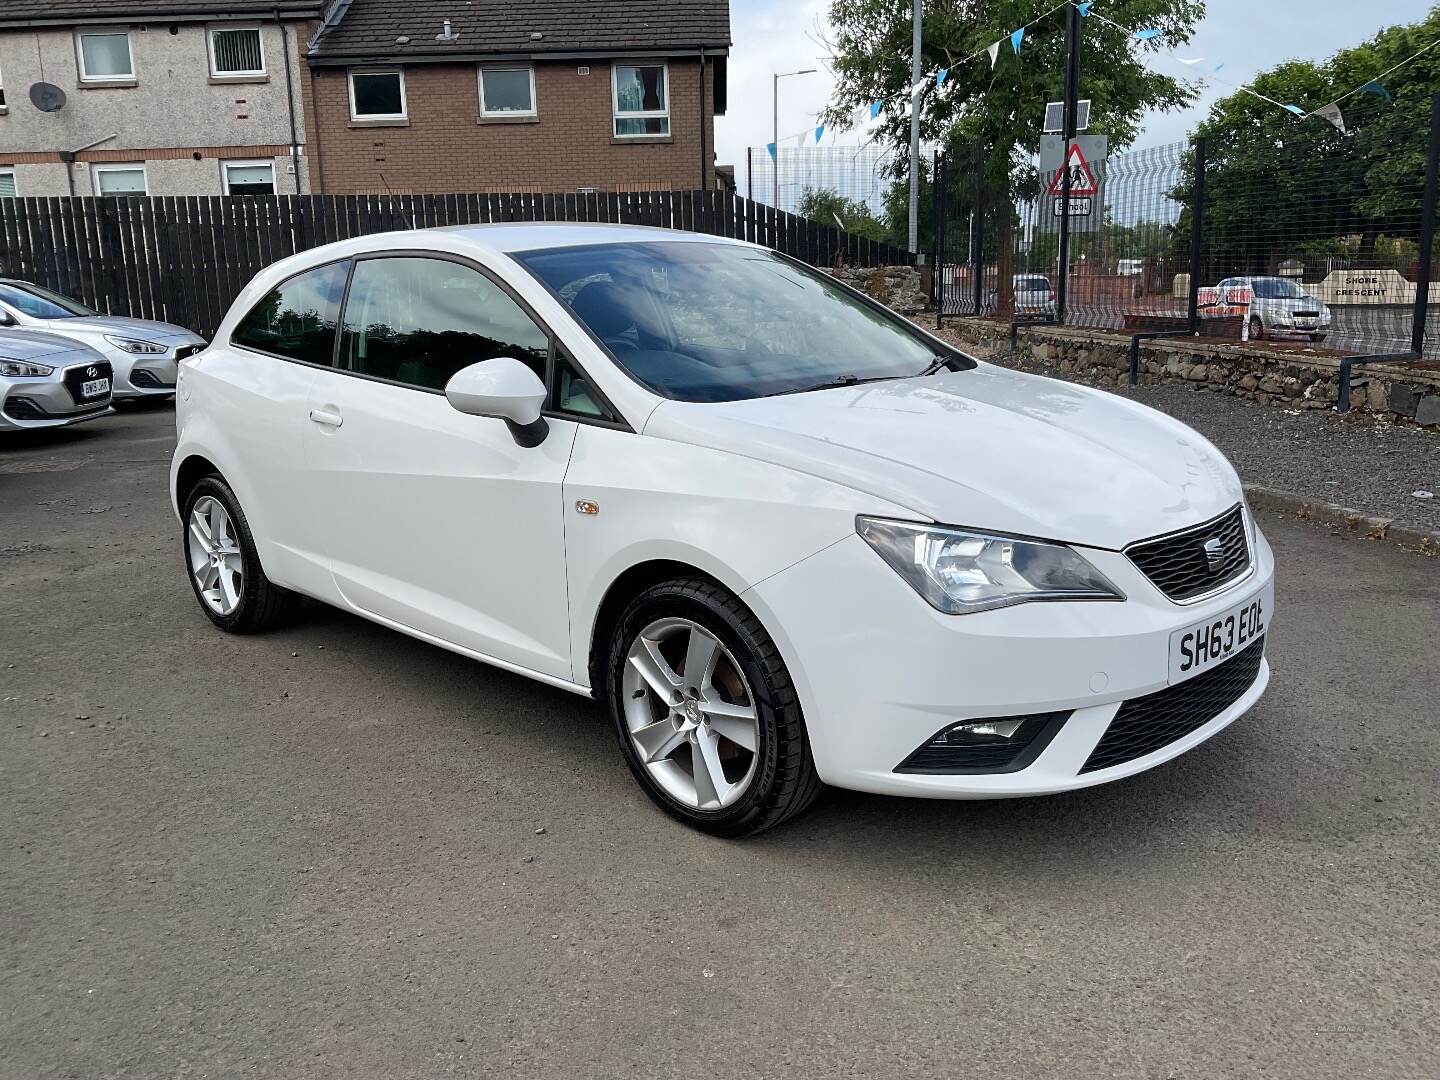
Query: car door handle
[(328, 417)]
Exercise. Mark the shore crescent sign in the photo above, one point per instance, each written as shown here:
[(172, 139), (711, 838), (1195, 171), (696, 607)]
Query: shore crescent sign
[(1365, 287)]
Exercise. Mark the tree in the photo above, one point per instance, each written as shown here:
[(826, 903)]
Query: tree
[(829, 207), (1000, 108), (1277, 184)]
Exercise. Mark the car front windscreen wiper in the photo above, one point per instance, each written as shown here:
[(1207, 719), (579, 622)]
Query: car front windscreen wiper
[(838, 380)]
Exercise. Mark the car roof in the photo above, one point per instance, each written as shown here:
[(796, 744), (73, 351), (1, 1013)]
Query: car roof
[(514, 236)]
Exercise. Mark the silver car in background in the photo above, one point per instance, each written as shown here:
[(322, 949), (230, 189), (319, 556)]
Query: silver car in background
[(49, 381), (143, 353), (1279, 308)]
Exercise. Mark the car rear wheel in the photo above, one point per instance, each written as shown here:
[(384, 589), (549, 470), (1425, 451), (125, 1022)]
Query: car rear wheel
[(1257, 328), (224, 568), (705, 711)]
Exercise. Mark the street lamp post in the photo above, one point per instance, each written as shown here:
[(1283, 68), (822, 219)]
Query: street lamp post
[(775, 123)]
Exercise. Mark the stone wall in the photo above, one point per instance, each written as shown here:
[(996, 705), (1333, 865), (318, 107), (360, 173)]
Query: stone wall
[(906, 289), (1271, 377)]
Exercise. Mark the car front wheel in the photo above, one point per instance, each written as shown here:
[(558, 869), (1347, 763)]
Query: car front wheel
[(1257, 328), (705, 711)]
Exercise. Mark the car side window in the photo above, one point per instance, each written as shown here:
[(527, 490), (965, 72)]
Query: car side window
[(573, 394), (297, 318), (418, 320)]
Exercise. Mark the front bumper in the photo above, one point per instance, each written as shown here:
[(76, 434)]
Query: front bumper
[(879, 671), (28, 405), (143, 376)]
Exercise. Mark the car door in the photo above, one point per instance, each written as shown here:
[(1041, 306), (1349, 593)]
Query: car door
[(434, 519)]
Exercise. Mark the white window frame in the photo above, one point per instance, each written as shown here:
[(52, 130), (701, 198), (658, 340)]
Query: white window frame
[(3, 107), (215, 72), (103, 31), (9, 170), (648, 114), (403, 114), (97, 170), (501, 114), (228, 164)]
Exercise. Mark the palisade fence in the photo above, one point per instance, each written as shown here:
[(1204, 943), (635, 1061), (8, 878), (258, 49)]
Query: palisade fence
[(1324, 241), (183, 259)]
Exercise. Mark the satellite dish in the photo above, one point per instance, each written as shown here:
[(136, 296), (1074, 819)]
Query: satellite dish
[(47, 97)]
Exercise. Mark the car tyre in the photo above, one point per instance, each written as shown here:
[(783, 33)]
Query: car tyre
[(1257, 328), (223, 566), (662, 629)]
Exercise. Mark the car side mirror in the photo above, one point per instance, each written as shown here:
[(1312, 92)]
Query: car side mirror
[(6, 319), (505, 389)]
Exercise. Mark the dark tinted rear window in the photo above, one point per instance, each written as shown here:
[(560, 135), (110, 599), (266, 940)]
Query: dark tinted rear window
[(297, 320)]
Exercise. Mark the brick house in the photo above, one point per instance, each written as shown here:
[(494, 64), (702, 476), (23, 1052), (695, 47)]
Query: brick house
[(158, 97), (495, 95)]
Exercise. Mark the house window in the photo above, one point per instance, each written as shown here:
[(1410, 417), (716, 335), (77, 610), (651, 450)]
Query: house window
[(2, 92), (236, 51), (7, 184), (377, 95), (507, 91), (105, 56), (248, 177), (120, 180), (642, 104)]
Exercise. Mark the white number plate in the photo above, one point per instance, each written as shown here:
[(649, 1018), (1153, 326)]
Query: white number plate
[(1200, 647), (95, 388)]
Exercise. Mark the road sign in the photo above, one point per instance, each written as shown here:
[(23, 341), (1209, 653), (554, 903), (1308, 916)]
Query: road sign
[(1095, 150), (1082, 180), (1083, 206)]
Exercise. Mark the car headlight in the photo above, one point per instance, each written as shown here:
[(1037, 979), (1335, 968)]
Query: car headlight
[(137, 347), (23, 368), (958, 571)]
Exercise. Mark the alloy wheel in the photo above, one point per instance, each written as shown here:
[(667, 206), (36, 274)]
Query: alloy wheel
[(691, 717), (216, 562)]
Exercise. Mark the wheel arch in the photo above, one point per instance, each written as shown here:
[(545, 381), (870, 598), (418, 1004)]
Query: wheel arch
[(190, 471), (629, 584)]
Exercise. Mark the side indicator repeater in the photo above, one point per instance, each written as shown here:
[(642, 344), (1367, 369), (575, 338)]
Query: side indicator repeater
[(585, 506)]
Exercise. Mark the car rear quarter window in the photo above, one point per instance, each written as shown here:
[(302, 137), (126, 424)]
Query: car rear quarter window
[(418, 320), (297, 319)]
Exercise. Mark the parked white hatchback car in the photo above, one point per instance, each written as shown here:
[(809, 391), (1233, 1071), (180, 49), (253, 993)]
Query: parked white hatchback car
[(48, 381), (142, 352), (785, 535)]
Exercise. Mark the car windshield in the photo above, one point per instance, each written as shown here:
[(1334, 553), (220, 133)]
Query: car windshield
[(1271, 288), (1032, 284), (41, 303), (719, 322)]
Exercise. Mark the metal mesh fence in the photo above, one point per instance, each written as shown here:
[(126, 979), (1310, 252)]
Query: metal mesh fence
[(1313, 240)]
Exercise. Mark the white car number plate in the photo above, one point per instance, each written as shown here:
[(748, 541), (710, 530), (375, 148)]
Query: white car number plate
[(1200, 647), (95, 388)]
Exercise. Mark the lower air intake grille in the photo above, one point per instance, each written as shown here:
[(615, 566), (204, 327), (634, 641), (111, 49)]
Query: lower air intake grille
[(1145, 724), (22, 408)]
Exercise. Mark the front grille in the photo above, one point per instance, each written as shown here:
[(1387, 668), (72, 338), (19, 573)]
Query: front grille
[(1145, 724), (22, 408), (1307, 314), (1180, 566), (75, 377), (149, 380)]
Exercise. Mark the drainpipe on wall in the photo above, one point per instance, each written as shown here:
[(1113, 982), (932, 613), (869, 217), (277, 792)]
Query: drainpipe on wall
[(290, 100), (704, 170), (68, 157)]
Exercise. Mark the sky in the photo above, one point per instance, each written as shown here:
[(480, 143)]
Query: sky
[(1249, 36)]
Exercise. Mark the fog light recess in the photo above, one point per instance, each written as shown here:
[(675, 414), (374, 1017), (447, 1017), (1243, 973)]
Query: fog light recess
[(997, 744)]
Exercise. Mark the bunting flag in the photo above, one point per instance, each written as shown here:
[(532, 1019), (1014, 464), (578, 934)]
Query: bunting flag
[(819, 131), (1197, 60), (1296, 110), (1333, 114), (1146, 35), (800, 139), (1016, 38), (1218, 68), (1375, 88), (1084, 8), (771, 147), (994, 51), (941, 76), (875, 107)]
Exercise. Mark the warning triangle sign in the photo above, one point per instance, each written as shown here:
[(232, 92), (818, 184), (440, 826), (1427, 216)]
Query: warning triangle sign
[(1082, 180)]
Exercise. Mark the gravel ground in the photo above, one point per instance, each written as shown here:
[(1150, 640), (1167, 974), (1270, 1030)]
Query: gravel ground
[(334, 851), (1355, 461)]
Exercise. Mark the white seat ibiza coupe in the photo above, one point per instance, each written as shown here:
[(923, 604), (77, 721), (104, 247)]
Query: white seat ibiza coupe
[(788, 538)]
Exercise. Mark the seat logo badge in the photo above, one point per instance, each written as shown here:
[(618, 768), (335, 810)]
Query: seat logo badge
[(585, 506), (92, 371), (1215, 554)]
